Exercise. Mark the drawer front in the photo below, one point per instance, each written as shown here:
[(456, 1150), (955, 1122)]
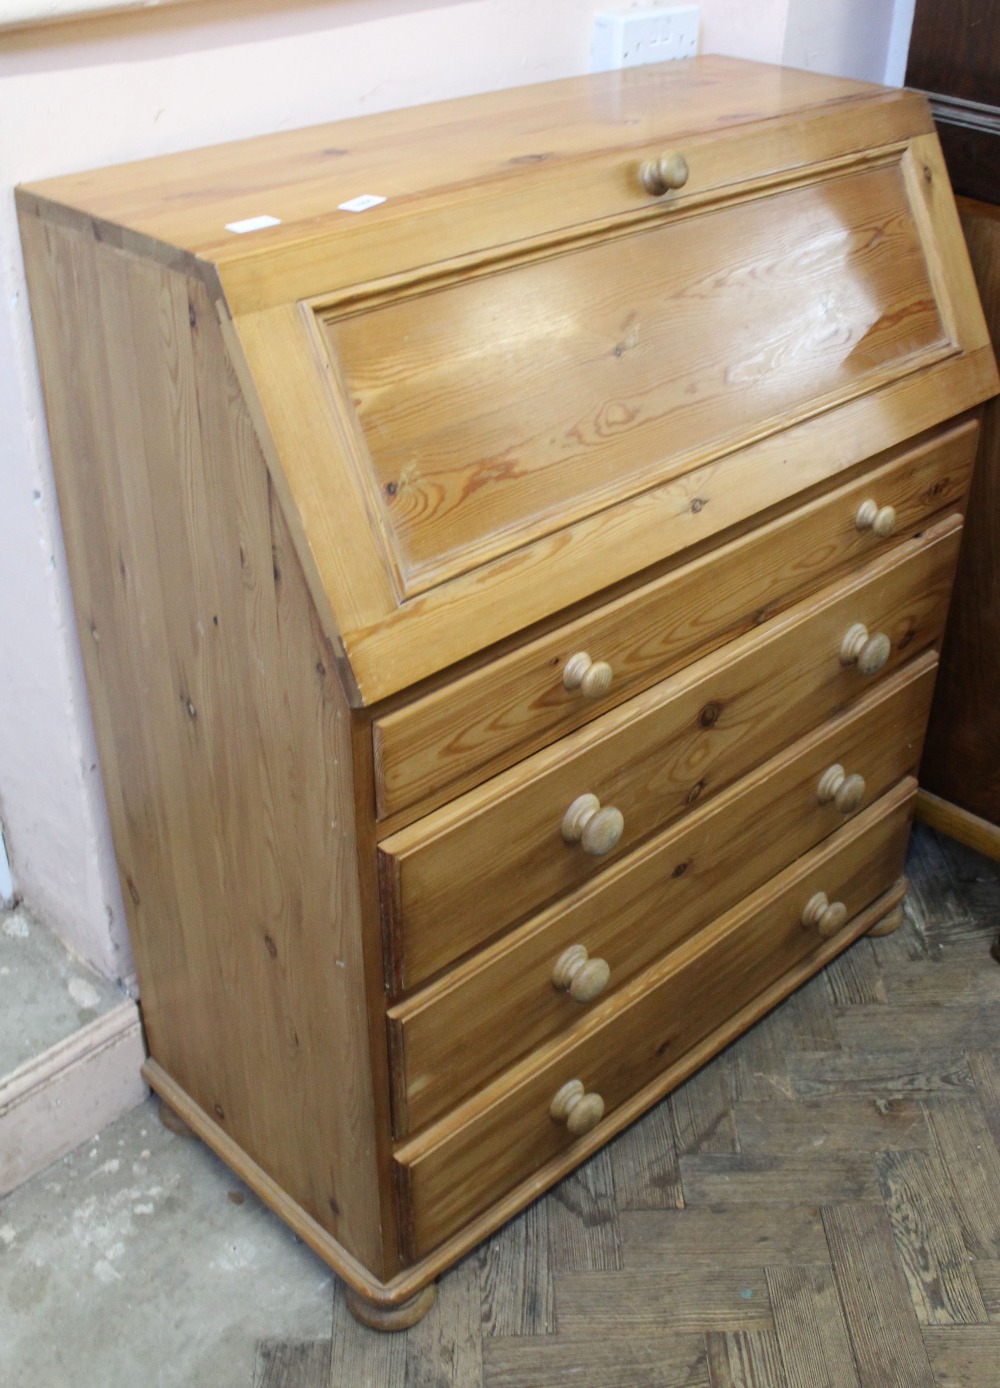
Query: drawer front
[(460, 875), (472, 1158), (446, 741), (503, 1003)]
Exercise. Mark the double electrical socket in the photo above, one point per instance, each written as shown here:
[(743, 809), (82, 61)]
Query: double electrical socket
[(626, 38)]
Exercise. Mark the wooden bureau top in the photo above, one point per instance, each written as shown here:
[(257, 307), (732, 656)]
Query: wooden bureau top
[(186, 200), (523, 379)]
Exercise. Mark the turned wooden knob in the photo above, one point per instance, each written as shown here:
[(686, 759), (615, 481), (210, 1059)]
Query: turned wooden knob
[(823, 915), (846, 791), (659, 176), (579, 1110), (583, 978), (596, 829), (870, 653), (880, 519), (592, 677)]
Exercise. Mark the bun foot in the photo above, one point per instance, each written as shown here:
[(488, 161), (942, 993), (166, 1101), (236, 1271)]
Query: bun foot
[(888, 923), (399, 1317)]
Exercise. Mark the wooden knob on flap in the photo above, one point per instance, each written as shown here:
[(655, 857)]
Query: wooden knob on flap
[(597, 829), (665, 173), (823, 915), (576, 1108), (591, 677), (583, 978), (869, 652), (847, 792), (880, 519)]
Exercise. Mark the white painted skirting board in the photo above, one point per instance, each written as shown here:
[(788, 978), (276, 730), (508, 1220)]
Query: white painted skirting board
[(67, 1094)]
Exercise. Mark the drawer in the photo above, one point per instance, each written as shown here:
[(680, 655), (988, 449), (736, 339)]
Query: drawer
[(470, 1159), (448, 740), (503, 1002), (460, 875)]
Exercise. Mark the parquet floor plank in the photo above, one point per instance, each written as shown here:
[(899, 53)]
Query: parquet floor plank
[(735, 1236), (560, 1361), (892, 1072), (447, 1345), (885, 1336), (515, 1277), (855, 977), (745, 1359), (987, 1275), (855, 1123), (815, 1346), (644, 1163), (701, 1111), (292, 1364), (929, 1244), (763, 1179), (583, 1219), (972, 1161), (984, 1066), (965, 1356), (359, 1355), (694, 1298)]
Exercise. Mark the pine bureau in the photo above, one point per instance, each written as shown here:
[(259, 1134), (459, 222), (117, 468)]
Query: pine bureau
[(509, 577)]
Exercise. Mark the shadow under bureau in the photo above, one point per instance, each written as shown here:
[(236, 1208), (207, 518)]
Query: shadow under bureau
[(510, 542)]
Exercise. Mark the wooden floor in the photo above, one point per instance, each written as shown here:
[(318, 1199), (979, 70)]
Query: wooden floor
[(818, 1208)]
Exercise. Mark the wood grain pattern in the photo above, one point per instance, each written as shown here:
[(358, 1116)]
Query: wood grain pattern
[(737, 1235), (502, 1001), (480, 443), (854, 1124), (745, 1359), (929, 1242), (964, 1357), (482, 1148), (681, 741), (292, 1364), (653, 1359), (306, 174), (195, 612), (614, 1304), (470, 727), (880, 1318), (810, 1328)]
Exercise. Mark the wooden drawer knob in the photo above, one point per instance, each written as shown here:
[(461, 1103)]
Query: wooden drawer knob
[(824, 915), (583, 978), (669, 171), (576, 1108), (880, 519), (870, 653), (597, 830), (847, 792), (592, 677)]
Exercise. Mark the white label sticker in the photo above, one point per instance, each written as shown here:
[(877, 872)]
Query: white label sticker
[(362, 203), (253, 224)]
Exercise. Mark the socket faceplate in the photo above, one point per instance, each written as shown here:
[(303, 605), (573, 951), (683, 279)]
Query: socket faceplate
[(628, 38)]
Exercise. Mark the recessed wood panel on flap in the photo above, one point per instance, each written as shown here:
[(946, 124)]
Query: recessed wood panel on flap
[(509, 404)]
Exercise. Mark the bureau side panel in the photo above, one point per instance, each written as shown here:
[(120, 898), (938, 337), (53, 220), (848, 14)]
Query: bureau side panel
[(224, 735)]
